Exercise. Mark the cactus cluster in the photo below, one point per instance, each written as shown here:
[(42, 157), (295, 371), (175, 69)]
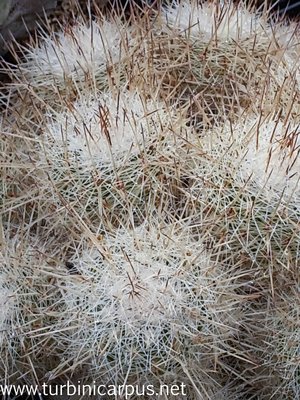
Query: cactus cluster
[(150, 203)]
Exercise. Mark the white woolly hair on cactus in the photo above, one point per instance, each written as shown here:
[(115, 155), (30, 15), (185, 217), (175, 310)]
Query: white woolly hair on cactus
[(208, 19), (101, 155), (216, 49), (227, 21), (148, 304), (73, 59), (265, 152), (250, 213), (105, 130)]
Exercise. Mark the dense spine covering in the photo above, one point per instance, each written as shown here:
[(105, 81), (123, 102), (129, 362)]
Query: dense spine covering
[(150, 203)]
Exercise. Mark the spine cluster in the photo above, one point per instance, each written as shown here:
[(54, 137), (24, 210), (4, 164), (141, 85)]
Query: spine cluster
[(150, 203)]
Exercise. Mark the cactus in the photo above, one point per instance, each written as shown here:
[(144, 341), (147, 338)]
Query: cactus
[(155, 167)]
